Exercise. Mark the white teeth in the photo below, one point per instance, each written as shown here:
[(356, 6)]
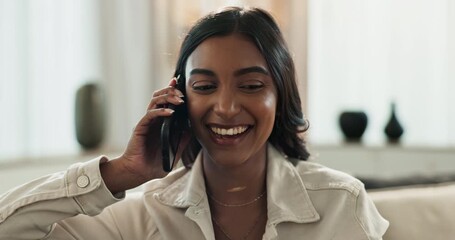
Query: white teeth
[(230, 131)]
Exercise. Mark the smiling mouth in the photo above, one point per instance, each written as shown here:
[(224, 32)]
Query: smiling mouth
[(229, 132)]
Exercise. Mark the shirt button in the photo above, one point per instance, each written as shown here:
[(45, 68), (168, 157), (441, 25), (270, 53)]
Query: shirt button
[(83, 181)]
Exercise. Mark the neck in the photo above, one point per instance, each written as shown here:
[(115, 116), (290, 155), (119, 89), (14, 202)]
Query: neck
[(236, 184)]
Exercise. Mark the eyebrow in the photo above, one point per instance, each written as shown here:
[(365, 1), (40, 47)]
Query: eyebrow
[(202, 71), (254, 69), (239, 72)]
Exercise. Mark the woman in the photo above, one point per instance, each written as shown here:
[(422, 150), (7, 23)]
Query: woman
[(245, 174)]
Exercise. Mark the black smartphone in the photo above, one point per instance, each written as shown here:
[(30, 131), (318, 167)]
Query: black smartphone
[(171, 131)]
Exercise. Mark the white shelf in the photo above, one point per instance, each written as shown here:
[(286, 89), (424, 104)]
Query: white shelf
[(385, 160)]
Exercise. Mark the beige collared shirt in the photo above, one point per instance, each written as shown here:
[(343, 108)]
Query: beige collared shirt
[(307, 201)]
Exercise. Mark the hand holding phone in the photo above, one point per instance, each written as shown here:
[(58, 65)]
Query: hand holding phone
[(140, 162)]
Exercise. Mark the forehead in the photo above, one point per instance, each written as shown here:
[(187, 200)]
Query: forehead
[(226, 53)]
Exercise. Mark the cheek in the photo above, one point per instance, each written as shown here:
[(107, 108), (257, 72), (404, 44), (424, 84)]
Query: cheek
[(195, 109), (266, 110), (270, 101)]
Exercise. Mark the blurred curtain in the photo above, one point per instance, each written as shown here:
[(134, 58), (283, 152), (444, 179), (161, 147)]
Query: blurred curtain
[(129, 71), (47, 49), (364, 54)]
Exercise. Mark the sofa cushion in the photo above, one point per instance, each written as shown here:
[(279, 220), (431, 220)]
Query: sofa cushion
[(418, 212)]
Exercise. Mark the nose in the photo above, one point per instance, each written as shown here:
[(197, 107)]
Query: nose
[(227, 105)]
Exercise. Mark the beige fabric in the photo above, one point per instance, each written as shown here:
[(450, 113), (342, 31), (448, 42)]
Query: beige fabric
[(418, 213), (308, 201)]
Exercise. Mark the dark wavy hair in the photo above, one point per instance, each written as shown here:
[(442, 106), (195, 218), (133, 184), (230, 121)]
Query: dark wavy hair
[(262, 29)]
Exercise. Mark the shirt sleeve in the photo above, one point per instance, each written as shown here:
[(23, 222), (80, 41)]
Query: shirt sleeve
[(32, 210), (369, 218)]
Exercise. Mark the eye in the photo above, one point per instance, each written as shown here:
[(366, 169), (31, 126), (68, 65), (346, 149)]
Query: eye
[(251, 87), (203, 87)]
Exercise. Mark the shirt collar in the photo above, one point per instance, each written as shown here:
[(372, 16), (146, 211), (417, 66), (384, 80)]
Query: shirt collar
[(187, 187), (287, 197)]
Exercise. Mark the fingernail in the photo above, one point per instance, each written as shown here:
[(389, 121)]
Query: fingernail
[(178, 99)]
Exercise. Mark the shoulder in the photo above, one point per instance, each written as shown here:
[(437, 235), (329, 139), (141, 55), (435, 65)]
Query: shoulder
[(338, 195), (317, 177)]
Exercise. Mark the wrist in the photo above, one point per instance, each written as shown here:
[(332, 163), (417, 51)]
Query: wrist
[(117, 177)]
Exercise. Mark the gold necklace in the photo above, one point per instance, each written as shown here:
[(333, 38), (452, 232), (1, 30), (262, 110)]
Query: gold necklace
[(236, 205), (246, 235), (236, 189)]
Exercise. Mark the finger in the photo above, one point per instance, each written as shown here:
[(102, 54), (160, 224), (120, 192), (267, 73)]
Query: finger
[(173, 82), (143, 125), (170, 87), (163, 100), (170, 90)]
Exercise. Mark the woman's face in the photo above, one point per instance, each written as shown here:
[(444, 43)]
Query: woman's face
[(231, 99)]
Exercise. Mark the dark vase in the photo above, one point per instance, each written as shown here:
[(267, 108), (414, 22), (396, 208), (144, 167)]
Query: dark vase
[(353, 125), (393, 130), (89, 116)]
